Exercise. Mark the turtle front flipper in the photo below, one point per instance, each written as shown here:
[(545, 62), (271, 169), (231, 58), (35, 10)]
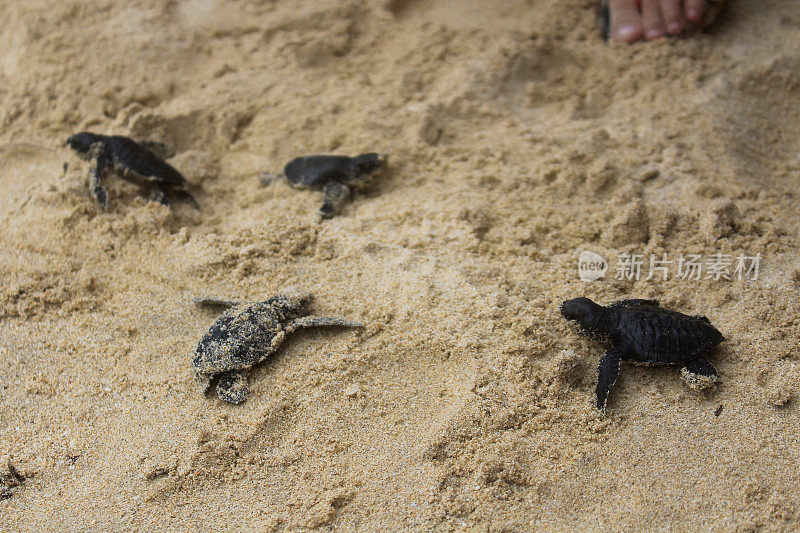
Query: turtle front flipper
[(204, 380), (334, 195), (96, 177), (699, 374), (608, 372), (211, 301), (631, 303), (321, 321), (232, 387)]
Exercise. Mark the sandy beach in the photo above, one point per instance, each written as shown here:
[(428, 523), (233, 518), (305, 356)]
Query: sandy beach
[(517, 139)]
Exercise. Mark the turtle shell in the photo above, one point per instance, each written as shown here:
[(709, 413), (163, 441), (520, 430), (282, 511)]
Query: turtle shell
[(315, 171), (658, 335), (131, 157), (240, 338)]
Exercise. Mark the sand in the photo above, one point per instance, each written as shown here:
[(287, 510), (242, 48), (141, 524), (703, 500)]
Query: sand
[(517, 139)]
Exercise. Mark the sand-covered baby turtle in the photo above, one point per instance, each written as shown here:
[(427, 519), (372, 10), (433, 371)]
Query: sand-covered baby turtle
[(642, 331), (246, 334), (335, 175), (133, 161)]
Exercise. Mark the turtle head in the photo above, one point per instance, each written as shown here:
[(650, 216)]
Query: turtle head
[(583, 311), (366, 164), (292, 302), (83, 142)]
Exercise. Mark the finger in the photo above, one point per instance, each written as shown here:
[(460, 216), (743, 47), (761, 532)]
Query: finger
[(695, 9), (651, 19), (672, 13), (626, 22)]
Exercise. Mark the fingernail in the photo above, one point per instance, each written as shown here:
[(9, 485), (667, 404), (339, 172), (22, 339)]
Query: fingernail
[(654, 34), (693, 14)]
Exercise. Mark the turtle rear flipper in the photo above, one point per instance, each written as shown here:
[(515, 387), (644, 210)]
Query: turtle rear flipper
[(699, 374), (160, 195), (184, 195), (268, 178), (232, 387)]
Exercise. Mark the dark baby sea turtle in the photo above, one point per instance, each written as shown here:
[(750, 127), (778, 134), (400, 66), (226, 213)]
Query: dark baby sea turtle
[(335, 175), (642, 331), (133, 161), (246, 334)]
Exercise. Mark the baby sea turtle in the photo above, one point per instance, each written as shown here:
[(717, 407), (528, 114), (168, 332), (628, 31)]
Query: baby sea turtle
[(642, 331), (133, 161), (246, 334), (335, 175)]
